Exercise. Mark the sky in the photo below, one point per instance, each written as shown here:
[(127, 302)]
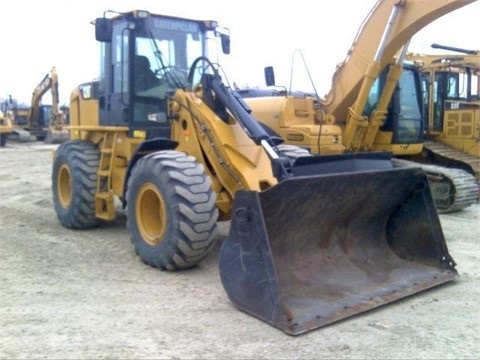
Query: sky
[(37, 35)]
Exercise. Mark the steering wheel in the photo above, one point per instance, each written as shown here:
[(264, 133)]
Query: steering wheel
[(201, 70), (173, 76)]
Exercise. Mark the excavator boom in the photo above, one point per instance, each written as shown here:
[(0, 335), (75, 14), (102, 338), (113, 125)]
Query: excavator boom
[(55, 131), (375, 98), (409, 17)]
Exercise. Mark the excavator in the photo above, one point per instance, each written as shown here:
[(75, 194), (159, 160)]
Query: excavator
[(162, 136), (44, 122), (451, 85), (375, 99)]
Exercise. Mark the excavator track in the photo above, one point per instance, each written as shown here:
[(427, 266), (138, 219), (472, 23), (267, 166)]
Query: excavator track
[(448, 156), (452, 189)]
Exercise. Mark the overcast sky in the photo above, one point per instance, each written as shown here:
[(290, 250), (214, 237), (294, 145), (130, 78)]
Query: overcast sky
[(37, 35)]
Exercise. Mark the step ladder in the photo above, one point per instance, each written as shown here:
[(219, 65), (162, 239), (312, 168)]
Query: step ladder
[(104, 204)]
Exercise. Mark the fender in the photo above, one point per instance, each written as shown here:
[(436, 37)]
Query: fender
[(146, 147)]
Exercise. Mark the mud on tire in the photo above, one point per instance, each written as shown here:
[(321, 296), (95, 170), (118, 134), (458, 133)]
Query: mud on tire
[(171, 210), (74, 182)]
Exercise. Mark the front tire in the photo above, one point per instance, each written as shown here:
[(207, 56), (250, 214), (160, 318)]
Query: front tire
[(171, 210), (74, 184)]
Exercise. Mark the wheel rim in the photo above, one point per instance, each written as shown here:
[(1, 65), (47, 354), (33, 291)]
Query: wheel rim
[(64, 186), (150, 214)]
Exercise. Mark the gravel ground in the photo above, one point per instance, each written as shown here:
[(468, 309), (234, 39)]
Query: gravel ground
[(86, 295)]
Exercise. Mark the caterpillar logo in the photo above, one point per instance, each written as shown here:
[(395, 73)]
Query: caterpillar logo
[(173, 25)]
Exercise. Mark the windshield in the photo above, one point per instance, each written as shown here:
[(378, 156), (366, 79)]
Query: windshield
[(410, 115), (167, 48), (404, 115)]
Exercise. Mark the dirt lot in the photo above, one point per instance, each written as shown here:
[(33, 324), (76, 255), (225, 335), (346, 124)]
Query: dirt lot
[(86, 295)]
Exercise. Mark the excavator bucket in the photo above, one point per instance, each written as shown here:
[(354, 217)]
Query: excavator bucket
[(313, 250), (55, 136)]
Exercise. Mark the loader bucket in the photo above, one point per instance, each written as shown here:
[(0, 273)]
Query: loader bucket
[(57, 136), (313, 250)]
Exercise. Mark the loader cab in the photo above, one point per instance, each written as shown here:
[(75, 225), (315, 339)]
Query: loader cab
[(144, 59)]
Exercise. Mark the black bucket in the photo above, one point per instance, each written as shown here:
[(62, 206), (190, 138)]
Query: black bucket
[(313, 250)]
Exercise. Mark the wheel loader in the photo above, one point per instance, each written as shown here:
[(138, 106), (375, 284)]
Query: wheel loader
[(375, 99), (312, 239)]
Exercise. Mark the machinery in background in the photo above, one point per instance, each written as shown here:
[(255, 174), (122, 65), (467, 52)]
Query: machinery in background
[(375, 100), (6, 125), (6, 122), (451, 88), (41, 121), (312, 240)]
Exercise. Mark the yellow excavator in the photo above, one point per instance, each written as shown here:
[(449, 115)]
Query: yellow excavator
[(312, 239), (44, 122), (375, 99), (451, 85)]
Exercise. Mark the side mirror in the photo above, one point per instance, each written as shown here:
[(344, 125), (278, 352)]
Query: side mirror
[(269, 76), (103, 30), (225, 38)]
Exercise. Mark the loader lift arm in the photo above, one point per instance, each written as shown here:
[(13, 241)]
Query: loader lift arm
[(272, 237), (281, 165)]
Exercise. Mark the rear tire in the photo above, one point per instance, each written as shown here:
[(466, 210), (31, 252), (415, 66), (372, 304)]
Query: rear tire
[(74, 184), (171, 210), (3, 139)]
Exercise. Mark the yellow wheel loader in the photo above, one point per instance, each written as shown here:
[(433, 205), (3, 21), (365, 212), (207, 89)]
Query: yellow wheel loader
[(375, 101), (312, 240)]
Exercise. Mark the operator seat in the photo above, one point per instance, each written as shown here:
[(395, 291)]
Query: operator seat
[(144, 76)]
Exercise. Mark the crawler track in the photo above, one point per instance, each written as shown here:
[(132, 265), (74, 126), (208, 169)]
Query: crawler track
[(452, 189)]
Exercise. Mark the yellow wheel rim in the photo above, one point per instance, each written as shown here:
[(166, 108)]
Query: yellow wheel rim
[(64, 186), (150, 214)]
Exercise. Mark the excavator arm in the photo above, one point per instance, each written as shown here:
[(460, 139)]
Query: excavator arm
[(56, 131), (374, 49), (49, 82)]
